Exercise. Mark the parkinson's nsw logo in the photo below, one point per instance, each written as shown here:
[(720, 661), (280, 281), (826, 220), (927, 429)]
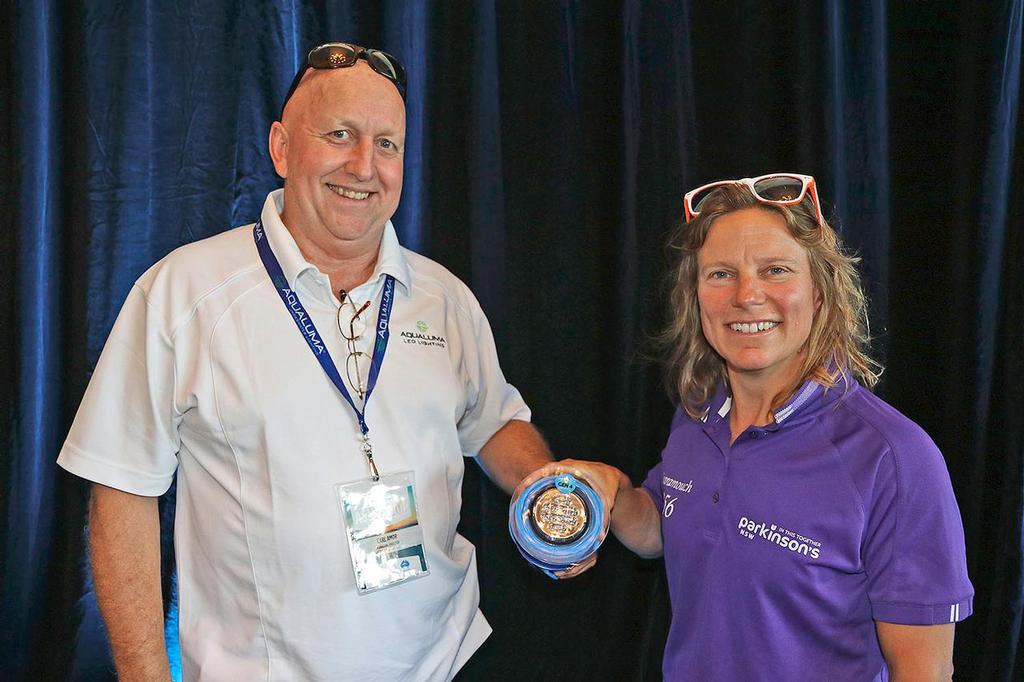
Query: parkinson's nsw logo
[(779, 536), (423, 337)]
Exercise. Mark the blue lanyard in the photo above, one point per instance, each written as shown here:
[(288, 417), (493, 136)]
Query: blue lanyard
[(316, 343)]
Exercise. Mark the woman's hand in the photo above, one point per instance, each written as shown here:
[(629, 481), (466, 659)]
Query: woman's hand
[(606, 481)]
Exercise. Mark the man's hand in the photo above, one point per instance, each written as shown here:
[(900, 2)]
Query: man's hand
[(578, 568), (124, 541)]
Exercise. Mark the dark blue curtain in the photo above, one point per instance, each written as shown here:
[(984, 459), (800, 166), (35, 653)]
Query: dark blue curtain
[(549, 145)]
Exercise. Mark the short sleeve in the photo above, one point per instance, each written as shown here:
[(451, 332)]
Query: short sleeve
[(914, 553), (125, 432), (652, 483), (491, 402)]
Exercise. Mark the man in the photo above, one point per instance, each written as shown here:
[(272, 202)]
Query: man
[(246, 364)]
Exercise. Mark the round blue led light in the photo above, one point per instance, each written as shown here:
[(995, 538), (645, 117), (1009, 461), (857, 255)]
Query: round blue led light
[(547, 556)]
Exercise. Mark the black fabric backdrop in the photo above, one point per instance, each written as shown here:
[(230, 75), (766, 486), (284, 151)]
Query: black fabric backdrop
[(549, 145)]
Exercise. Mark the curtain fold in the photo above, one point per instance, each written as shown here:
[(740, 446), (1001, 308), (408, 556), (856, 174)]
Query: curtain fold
[(34, 425), (486, 197), (995, 507), (406, 29), (857, 142), (548, 148)]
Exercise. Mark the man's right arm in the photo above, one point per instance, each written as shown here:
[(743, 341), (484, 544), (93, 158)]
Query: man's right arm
[(124, 540)]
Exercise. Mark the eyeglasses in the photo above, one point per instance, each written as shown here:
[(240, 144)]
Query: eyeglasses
[(342, 55), (787, 189), (352, 326)]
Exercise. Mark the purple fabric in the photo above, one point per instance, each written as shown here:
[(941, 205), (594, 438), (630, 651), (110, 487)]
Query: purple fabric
[(784, 548)]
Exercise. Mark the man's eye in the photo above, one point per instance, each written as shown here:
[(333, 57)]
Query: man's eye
[(385, 143), (718, 274), (340, 134), (777, 270)]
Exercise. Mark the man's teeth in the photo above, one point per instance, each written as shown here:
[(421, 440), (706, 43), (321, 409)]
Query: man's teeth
[(348, 193), (752, 327)]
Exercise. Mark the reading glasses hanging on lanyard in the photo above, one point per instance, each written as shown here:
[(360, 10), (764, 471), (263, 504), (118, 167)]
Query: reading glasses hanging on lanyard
[(316, 344)]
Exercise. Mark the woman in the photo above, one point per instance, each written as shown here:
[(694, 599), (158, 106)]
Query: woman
[(809, 529)]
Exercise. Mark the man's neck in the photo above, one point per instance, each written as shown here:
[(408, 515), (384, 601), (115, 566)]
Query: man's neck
[(350, 276), (345, 271), (346, 264)]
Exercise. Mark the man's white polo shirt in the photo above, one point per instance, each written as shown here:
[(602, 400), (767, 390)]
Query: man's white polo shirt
[(206, 374)]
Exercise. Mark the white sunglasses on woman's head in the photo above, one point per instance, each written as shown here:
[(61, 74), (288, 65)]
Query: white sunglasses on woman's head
[(787, 189)]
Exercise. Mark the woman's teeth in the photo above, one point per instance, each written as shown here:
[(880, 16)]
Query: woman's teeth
[(752, 327)]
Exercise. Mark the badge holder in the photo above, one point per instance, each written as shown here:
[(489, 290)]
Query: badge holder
[(385, 539)]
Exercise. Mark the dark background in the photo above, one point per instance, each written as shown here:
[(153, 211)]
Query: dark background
[(549, 144)]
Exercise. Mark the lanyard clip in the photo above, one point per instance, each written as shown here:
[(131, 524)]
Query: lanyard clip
[(368, 451)]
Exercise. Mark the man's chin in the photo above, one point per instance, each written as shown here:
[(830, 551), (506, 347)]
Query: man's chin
[(357, 231)]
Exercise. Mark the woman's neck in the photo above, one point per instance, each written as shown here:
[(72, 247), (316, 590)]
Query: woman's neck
[(754, 399)]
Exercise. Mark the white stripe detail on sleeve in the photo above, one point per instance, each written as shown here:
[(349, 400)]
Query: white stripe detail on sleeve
[(952, 613), (957, 613)]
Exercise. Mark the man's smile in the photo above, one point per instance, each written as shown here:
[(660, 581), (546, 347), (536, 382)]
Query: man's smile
[(348, 193)]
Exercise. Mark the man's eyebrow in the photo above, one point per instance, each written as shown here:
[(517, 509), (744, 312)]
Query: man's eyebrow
[(331, 123)]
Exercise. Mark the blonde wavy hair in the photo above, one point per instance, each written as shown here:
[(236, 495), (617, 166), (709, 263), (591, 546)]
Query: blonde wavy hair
[(839, 342)]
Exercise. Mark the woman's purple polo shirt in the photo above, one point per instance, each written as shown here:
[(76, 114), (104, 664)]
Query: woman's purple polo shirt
[(784, 548)]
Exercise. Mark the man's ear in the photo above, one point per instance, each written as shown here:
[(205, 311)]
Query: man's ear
[(278, 144)]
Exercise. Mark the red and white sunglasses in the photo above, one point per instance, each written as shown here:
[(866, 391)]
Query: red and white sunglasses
[(787, 189)]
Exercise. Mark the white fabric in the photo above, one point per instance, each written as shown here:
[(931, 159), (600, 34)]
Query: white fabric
[(205, 373)]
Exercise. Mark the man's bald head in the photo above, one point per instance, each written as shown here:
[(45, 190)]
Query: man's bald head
[(345, 55), (317, 85), (340, 147)]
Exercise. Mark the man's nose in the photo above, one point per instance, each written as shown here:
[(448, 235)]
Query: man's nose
[(360, 162)]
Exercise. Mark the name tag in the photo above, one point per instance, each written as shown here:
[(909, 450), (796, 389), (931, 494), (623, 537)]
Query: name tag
[(385, 539)]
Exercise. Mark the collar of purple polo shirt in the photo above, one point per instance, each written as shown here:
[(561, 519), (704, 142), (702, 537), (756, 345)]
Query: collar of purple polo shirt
[(721, 404)]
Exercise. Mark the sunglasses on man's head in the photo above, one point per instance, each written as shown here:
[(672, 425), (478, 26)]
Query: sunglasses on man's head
[(787, 189), (342, 55)]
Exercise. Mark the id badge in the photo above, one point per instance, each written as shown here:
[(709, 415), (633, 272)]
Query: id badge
[(384, 536)]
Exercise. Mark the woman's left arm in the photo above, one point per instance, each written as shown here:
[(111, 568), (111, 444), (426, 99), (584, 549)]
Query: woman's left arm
[(917, 652)]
